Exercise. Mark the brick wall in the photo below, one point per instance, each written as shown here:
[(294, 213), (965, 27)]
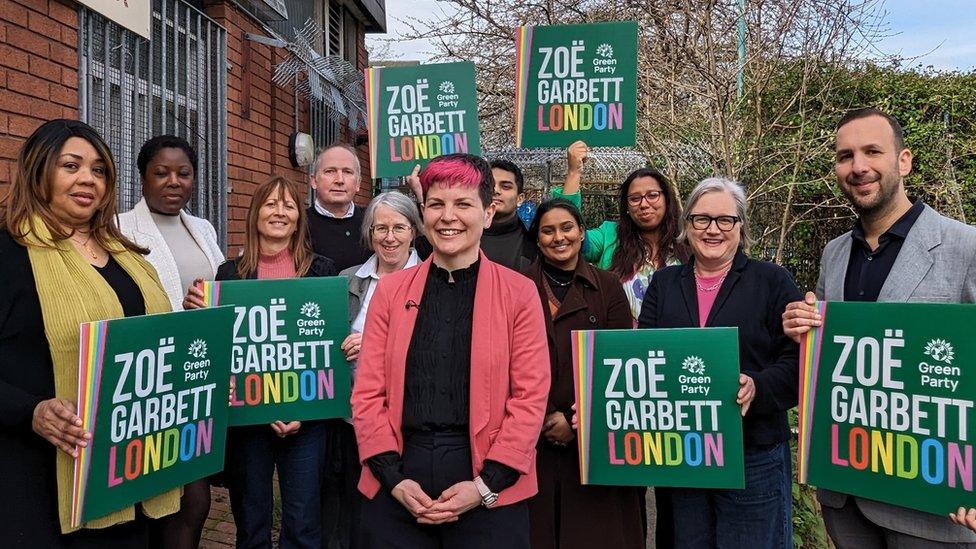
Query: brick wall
[(260, 118), (39, 81), (38, 71), (362, 61)]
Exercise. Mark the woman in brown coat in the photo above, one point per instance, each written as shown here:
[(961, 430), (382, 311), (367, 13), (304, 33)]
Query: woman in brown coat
[(575, 296)]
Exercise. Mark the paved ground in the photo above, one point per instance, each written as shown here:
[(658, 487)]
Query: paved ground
[(219, 530)]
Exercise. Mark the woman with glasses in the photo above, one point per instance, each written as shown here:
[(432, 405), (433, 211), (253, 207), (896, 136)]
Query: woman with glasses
[(643, 240), (721, 286), (390, 224)]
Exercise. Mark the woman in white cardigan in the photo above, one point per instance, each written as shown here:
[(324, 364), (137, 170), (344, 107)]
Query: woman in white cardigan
[(182, 248)]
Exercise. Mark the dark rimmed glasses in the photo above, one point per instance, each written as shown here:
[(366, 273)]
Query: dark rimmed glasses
[(701, 222), (651, 197)]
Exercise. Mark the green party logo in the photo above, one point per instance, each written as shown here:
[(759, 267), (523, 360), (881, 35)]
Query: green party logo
[(940, 350)]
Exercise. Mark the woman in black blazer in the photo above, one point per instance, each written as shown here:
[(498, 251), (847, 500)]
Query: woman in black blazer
[(721, 286), (275, 246)]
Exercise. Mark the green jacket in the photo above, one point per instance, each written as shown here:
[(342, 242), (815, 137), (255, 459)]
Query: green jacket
[(601, 241)]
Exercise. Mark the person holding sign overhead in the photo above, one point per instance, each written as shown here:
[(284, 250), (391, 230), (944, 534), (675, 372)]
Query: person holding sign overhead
[(275, 246), (575, 296), (65, 262), (644, 239), (451, 385), (721, 286), (899, 250)]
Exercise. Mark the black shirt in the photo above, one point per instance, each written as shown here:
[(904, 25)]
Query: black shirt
[(508, 243), (436, 387), (126, 289), (868, 269), (559, 281), (438, 371)]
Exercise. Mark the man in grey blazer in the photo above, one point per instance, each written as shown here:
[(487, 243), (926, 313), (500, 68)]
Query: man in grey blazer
[(901, 251)]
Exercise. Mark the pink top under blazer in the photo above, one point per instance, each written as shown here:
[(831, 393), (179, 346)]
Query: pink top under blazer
[(509, 372)]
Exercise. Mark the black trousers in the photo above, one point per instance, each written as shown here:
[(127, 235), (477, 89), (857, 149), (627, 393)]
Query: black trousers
[(437, 461), (341, 500)]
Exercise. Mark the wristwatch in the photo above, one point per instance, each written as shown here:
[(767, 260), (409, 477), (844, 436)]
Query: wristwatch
[(488, 498)]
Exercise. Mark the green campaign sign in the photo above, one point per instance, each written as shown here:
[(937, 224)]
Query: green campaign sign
[(285, 361), (657, 407), (885, 407), (576, 82), (417, 113), (153, 392)]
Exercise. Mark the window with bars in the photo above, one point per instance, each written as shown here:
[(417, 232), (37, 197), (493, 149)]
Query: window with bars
[(132, 89)]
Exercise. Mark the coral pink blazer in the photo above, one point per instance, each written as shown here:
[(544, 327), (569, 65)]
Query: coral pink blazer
[(509, 372)]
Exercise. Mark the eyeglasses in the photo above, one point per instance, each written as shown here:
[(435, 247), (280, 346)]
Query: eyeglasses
[(650, 196), (701, 222), (383, 230)]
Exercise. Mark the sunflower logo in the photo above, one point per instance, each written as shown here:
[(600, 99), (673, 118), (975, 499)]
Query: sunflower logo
[(198, 349), (447, 87), (694, 365), (605, 51), (941, 350), (311, 310)]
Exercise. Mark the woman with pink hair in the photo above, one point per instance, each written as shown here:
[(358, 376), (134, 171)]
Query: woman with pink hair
[(452, 383)]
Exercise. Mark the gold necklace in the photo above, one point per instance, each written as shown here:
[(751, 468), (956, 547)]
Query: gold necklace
[(713, 287), (84, 245)]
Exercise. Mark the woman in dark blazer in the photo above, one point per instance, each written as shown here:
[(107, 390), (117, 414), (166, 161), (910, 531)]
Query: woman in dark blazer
[(575, 296), (275, 246), (720, 286)]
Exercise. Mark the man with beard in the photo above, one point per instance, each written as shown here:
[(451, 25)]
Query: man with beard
[(506, 241), (899, 250)]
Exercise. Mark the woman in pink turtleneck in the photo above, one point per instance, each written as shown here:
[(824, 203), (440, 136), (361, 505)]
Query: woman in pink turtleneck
[(275, 246)]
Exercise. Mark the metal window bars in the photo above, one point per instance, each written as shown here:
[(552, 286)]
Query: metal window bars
[(132, 89)]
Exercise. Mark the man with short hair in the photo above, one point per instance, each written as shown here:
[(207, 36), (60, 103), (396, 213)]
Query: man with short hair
[(506, 241), (899, 250), (334, 221)]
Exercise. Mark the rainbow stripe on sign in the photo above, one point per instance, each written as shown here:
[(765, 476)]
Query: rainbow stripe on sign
[(211, 293), (809, 365), (91, 357), (523, 50), (372, 113), (583, 382)]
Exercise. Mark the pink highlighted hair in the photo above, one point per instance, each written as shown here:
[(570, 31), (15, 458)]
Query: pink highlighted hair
[(466, 171)]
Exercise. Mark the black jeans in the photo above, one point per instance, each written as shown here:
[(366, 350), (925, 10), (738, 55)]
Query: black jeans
[(437, 461), (341, 500)]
